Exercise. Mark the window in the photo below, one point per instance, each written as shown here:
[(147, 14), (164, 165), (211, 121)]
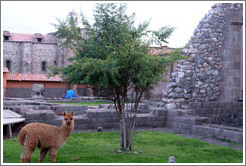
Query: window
[(39, 40), (38, 37), (6, 38), (6, 35), (8, 64), (44, 66)]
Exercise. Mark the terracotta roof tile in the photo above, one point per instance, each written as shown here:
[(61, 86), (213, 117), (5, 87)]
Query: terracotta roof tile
[(32, 77), (31, 37), (157, 50)]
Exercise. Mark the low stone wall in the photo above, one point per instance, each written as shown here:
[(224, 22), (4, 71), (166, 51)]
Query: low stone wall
[(203, 121), (59, 108), (18, 92), (186, 121), (104, 116), (222, 113), (92, 119)]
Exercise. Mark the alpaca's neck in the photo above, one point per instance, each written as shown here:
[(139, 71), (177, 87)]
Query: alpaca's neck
[(66, 131)]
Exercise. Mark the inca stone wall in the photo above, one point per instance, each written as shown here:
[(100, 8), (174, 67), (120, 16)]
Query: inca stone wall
[(212, 70)]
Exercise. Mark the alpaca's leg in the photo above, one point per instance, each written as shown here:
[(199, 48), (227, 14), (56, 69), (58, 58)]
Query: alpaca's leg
[(28, 149), (26, 156), (42, 155), (52, 153)]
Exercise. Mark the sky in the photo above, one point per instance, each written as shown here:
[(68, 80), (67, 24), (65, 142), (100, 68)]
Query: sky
[(36, 16)]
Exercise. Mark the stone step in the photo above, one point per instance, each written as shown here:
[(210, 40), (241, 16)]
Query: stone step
[(78, 110), (221, 104), (196, 120), (218, 131), (18, 109), (41, 107), (142, 108), (39, 116)]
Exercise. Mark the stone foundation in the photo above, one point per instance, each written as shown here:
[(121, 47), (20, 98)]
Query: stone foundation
[(209, 120)]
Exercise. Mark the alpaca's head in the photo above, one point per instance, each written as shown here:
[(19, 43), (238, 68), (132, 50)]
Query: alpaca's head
[(68, 119)]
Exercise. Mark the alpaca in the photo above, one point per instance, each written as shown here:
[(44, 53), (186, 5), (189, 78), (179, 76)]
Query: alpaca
[(45, 137)]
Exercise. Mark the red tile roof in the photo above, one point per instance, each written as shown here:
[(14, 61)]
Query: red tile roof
[(32, 77), (31, 37), (160, 51)]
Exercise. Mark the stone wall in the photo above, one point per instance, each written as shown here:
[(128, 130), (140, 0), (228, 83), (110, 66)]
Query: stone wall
[(182, 121), (43, 53), (211, 73), (26, 89), (222, 113), (27, 56), (232, 52), (85, 118), (19, 92), (195, 121), (12, 52)]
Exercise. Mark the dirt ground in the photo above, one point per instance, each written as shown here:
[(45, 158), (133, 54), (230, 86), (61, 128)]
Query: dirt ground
[(16, 129)]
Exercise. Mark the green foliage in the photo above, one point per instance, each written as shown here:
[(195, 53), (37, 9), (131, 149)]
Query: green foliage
[(152, 147), (112, 54), (160, 36)]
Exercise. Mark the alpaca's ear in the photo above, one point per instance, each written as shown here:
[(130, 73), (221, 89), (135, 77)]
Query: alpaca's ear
[(63, 113), (72, 113)]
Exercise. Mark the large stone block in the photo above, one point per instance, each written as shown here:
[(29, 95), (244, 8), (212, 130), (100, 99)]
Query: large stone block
[(101, 113), (78, 110), (40, 115), (158, 111)]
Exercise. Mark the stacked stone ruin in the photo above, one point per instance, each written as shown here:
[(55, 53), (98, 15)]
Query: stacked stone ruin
[(85, 117), (194, 121), (198, 78)]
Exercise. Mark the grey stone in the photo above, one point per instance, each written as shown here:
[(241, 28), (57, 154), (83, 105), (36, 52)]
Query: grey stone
[(173, 95), (100, 129), (170, 106), (165, 100), (180, 74), (119, 151), (178, 90), (171, 159)]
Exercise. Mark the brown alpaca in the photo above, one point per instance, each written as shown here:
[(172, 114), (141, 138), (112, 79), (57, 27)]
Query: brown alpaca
[(45, 137)]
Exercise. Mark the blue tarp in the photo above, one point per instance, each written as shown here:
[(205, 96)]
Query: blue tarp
[(70, 94)]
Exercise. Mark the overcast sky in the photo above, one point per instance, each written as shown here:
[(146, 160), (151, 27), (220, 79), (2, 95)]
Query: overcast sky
[(37, 16)]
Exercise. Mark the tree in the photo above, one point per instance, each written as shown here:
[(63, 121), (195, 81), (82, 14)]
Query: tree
[(113, 56), (160, 36)]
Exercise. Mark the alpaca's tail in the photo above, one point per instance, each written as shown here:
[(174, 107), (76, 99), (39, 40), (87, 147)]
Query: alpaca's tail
[(22, 137)]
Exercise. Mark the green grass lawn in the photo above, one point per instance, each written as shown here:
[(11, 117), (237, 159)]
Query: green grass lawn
[(148, 147), (84, 103)]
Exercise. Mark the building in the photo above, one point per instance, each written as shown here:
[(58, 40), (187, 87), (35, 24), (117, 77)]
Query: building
[(26, 61), (33, 53), (27, 58)]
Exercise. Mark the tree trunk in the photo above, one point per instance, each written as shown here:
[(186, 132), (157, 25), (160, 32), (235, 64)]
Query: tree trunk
[(122, 132), (134, 118), (126, 132), (132, 130)]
